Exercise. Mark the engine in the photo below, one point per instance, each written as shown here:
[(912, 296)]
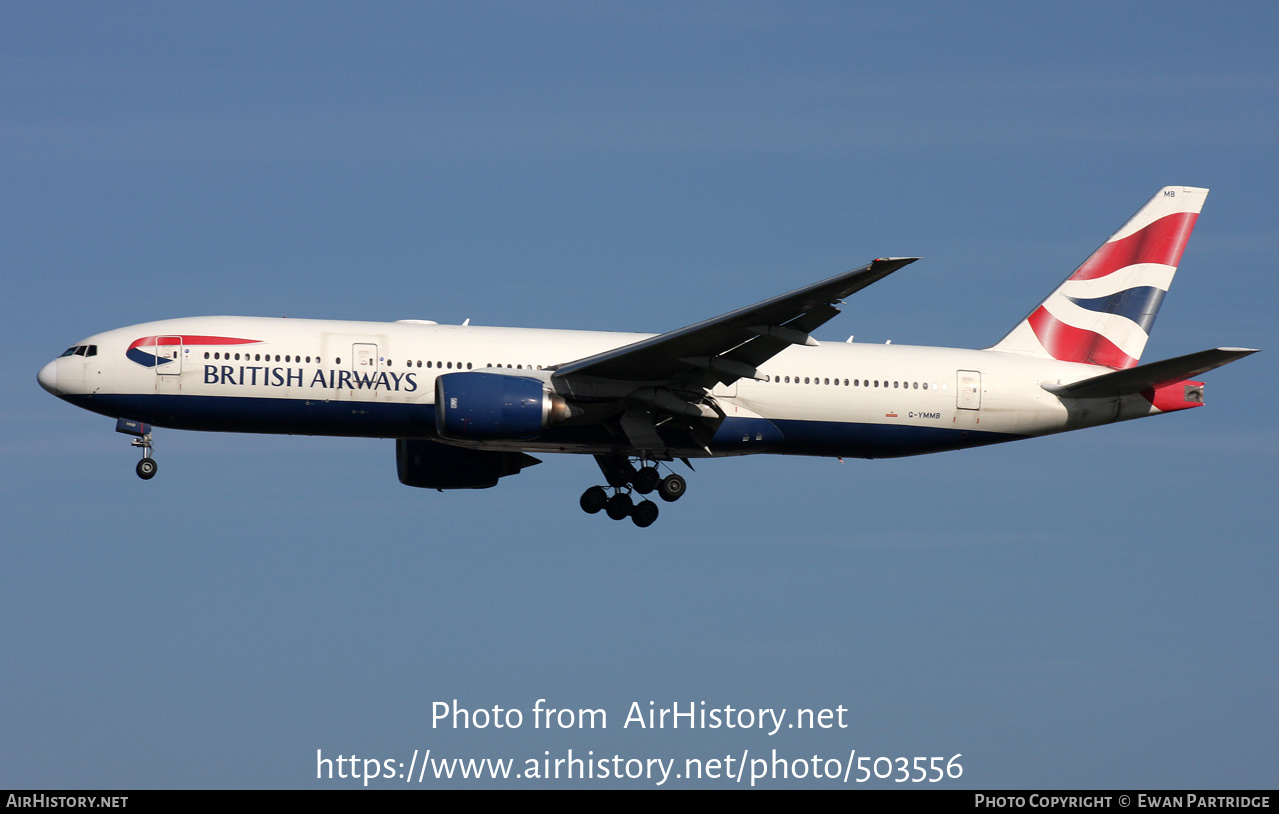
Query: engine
[(431, 465), (474, 406)]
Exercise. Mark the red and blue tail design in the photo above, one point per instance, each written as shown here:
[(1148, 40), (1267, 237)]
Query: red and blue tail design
[(1102, 314)]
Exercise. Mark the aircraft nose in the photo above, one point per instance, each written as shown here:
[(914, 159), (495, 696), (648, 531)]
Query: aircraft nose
[(48, 377)]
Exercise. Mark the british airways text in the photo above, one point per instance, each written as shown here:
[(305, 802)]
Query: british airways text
[(296, 377)]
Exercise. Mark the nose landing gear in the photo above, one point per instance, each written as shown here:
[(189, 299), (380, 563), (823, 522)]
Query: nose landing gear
[(141, 433), (623, 477)]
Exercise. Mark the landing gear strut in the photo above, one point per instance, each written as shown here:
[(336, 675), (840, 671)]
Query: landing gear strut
[(624, 478)]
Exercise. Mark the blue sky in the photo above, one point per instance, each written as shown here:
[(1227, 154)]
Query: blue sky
[(1088, 610)]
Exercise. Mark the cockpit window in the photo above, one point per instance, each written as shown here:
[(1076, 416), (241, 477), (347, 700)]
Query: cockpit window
[(82, 350), (69, 351), (92, 351)]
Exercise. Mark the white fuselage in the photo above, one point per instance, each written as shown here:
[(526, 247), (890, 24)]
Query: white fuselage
[(376, 379)]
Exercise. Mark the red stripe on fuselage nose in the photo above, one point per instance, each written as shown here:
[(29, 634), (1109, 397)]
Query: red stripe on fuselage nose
[(159, 341)]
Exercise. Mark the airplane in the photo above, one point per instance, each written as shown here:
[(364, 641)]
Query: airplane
[(469, 405)]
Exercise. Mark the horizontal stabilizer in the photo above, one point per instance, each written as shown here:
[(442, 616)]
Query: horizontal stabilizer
[(1153, 375)]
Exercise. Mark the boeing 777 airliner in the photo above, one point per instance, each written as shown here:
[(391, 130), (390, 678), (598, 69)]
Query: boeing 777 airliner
[(467, 405)]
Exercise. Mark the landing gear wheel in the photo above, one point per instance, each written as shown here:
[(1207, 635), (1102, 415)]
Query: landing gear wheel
[(593, 500), (644, 514), (146, 468), (671, 488), (646, 480), (619, 506)]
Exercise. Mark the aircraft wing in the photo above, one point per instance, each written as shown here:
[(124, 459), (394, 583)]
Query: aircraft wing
[(732, 346)]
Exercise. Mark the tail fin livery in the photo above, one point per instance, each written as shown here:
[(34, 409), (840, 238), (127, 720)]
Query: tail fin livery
[(1102, 314)]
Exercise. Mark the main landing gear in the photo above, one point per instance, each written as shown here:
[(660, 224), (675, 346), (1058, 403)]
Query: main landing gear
[(624, 478)]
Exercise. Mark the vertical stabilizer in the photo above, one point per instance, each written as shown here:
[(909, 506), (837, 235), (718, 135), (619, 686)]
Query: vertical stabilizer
[(1102, 314)]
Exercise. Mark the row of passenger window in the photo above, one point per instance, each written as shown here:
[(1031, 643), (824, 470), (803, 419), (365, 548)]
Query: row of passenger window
[(459, 366), (836, 382), (258, 357), (92, 350)]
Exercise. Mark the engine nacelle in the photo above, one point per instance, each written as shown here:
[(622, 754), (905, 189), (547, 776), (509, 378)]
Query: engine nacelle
[(478, 405), (431, 465)]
